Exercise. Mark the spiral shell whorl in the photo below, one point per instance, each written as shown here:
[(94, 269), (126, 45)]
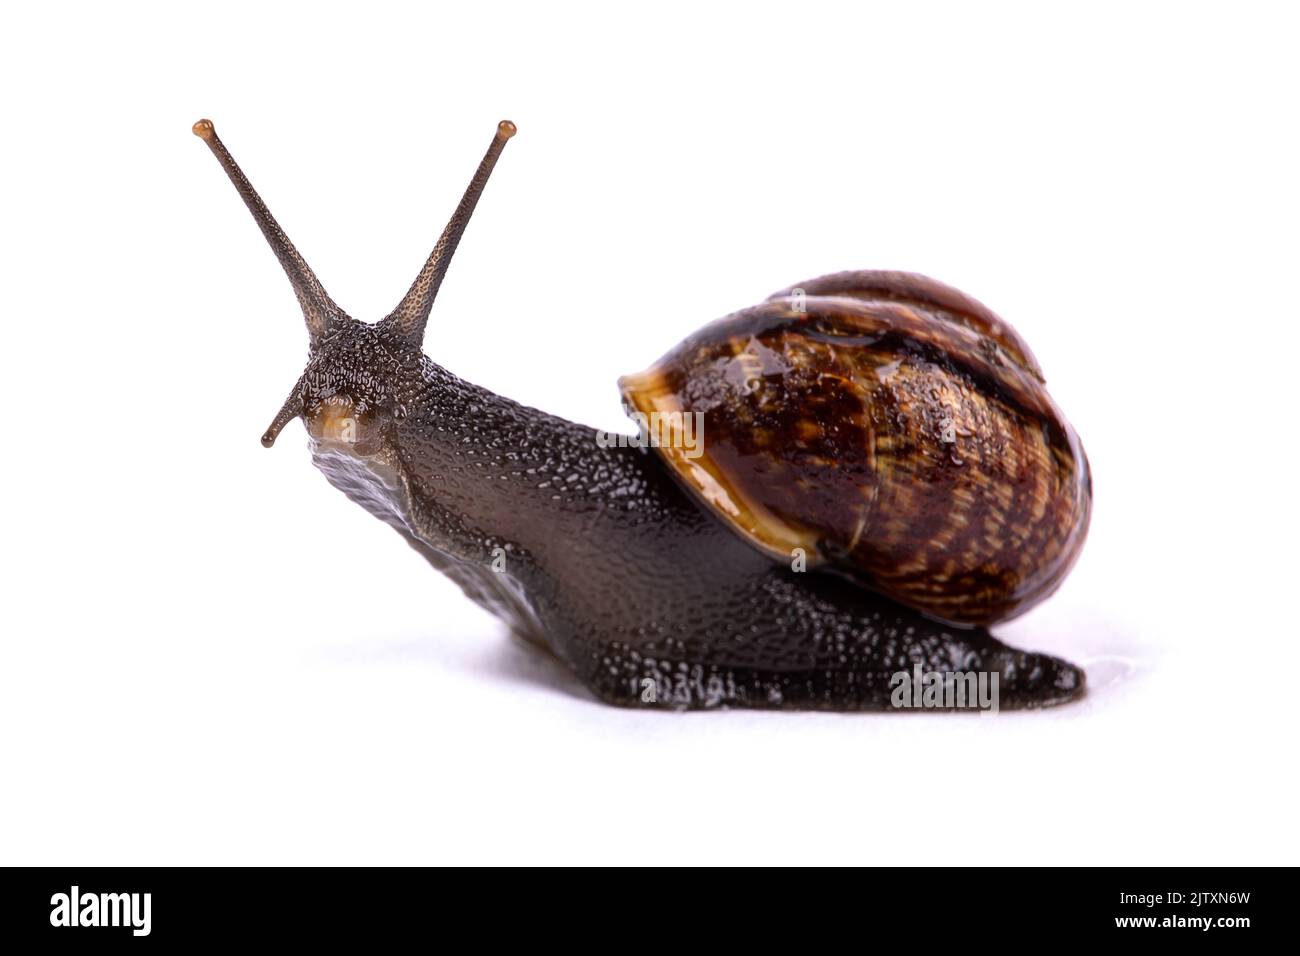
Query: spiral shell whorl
[(892, 428)]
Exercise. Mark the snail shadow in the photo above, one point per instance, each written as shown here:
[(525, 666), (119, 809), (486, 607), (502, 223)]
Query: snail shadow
[(499, 656), (1108, 673), (514, 659)]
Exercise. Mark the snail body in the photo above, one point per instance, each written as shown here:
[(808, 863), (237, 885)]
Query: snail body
[(808, 552)]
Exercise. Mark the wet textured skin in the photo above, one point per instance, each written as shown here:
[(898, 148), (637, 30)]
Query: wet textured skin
[(608, 562), (598, 553)]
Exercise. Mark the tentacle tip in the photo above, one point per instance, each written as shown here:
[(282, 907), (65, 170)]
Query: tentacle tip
[(506, 129), (268, 440), (204, 129)]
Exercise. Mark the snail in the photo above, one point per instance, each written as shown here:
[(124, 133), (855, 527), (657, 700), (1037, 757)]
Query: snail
[(879, 475)]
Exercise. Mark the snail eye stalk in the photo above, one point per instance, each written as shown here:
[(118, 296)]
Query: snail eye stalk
[(290, 410), (318, 309), (412, 313)]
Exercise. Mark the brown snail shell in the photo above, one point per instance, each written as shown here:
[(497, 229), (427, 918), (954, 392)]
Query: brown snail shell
[(894, 429)]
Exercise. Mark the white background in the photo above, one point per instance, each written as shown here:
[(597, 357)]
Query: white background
[(211, 656)]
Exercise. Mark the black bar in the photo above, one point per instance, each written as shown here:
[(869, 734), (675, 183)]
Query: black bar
[(939, 907)]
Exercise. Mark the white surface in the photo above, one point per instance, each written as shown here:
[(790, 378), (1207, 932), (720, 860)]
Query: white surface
[(210, 656)]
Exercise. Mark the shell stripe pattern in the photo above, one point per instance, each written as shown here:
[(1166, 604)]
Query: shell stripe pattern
[(891, 427)]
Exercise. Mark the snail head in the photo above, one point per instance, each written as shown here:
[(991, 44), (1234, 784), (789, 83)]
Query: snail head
[(359, 374)]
